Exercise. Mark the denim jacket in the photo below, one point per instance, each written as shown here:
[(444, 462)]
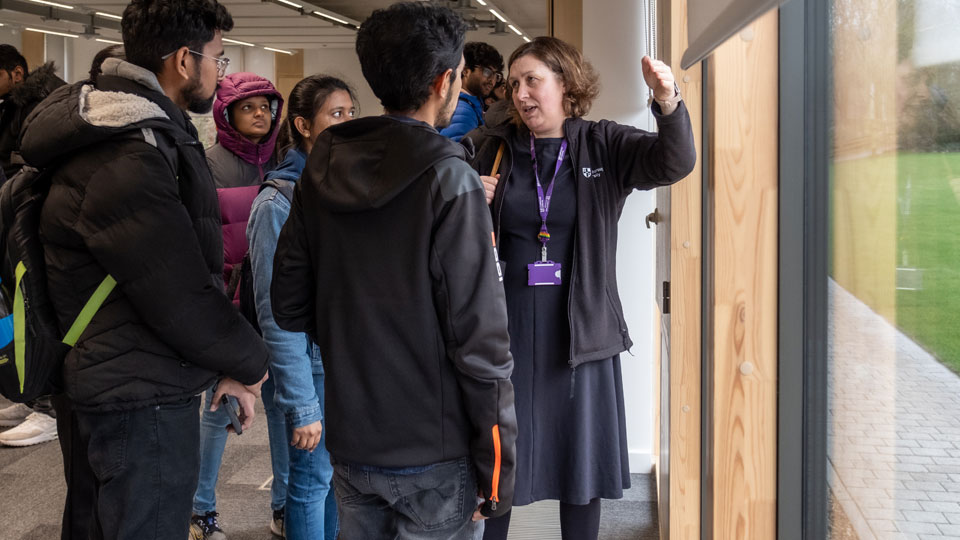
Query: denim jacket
[(294, 359)]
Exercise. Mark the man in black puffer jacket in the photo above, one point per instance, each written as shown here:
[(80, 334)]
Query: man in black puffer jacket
[(132, 197)]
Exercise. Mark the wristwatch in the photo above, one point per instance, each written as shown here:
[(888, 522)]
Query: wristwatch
[(673, 100)]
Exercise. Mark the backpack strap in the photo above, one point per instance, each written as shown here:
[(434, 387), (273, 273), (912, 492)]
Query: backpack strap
[(89, 309), (285, 187)]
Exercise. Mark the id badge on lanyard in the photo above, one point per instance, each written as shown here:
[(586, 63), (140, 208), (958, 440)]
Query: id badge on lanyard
[(544, 271)]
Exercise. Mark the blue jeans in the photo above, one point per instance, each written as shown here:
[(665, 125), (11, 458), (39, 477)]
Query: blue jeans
[(145, 464), (213, 439), (435, 502), (311, 512)]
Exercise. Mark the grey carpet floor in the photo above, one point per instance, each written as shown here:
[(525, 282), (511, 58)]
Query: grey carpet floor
[(32, 491)]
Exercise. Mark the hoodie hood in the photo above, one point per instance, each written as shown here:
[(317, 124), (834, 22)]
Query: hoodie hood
[(37, 86), (233, 88), (291, 167), (125, 99), (365, 163)]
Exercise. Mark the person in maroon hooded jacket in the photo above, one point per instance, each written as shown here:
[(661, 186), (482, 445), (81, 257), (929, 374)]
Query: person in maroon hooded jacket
[(247, 112)]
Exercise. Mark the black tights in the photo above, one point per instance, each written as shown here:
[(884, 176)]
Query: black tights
[(577, 522)]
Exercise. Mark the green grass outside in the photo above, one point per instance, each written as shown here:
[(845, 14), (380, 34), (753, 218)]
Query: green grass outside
[(928, 238)]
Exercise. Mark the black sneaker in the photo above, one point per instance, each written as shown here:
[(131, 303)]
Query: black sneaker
[(276, 524), (206, 527)]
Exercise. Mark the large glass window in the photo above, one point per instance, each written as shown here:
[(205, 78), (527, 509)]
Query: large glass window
[(893, 466)]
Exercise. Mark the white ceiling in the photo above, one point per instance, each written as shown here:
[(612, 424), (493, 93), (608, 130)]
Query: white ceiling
[(270, 24)]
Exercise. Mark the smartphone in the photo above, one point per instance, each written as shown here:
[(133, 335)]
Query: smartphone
[(230, 403)]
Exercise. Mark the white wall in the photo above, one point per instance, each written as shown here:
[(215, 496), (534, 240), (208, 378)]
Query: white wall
[(623, 98), (343, 63)]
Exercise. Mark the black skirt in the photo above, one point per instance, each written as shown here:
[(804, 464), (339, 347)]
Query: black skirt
[(572, 441)]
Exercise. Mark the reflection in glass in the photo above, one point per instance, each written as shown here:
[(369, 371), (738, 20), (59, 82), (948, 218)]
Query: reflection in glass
[(894, 352)]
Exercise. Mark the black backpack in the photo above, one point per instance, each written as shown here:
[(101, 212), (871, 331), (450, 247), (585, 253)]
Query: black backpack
[(32, 357), (244, 278)]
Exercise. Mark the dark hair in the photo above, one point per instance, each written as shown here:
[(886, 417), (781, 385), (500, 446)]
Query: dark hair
[(306, 98), (113, 51), (10, 58), (477, 53), (580, 82), (404, 47), (154, 28)]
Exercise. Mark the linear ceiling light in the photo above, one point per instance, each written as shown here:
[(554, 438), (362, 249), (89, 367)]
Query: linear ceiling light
[(110, 41), (52, 32), (289, 3), (54, 4), (236, 42), (525, 38), (109, 16), (291, 53), (481, 2), (497, 15), (514, 28), (331, 17)]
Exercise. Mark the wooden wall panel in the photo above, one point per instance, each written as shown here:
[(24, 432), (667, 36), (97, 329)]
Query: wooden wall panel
[(686, 293), (565, 21), (743, 92), (33, 49), (289, 71)]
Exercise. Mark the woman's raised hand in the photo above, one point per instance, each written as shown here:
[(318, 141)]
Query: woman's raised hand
[(659, 77)]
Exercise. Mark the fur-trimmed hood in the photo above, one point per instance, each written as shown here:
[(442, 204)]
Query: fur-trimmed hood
[(82, 114), (39, 84)]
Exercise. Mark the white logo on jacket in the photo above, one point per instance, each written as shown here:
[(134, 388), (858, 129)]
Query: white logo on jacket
[(592, 173)]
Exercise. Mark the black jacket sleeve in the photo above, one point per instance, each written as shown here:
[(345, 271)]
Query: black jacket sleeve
[(647, 160), (472, 310), (136, 227), (292, 289)]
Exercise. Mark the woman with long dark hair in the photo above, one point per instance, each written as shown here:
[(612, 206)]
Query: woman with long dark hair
[(294, 402)]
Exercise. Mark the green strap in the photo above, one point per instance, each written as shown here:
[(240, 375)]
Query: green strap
[(86, 314), (19, 328)]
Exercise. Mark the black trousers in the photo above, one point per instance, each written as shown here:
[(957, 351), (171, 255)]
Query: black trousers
[(145, 464), (577, 522), (81, 483)]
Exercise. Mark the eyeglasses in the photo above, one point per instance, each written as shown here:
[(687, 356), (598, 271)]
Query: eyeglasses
[(222, 62), (487, 73)]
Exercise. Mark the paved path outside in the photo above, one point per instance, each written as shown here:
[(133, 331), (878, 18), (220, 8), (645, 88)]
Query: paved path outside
[(32, 491), (894, 422)]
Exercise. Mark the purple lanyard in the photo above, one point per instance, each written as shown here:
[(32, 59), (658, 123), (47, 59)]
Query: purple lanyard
[(544, 201)]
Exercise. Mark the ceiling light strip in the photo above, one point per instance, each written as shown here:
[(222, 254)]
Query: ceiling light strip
[(481, 2), (109, 16), (331, 17), (51, 32), (54, 4), (110, 41), (291, 4), (291, 53), (497, 15), (237, 42)]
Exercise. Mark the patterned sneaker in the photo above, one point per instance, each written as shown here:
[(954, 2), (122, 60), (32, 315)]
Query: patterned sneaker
[(206, 527), (37, 428), (276, 524), (14, 414)]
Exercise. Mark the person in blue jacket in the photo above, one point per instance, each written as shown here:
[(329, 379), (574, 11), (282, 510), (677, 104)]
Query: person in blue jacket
[(483, 66), (296, 371)]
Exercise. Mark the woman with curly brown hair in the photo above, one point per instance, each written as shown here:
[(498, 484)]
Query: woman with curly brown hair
[(557, 187)]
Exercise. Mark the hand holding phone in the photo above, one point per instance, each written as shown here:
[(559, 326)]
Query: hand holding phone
[(232, 406)]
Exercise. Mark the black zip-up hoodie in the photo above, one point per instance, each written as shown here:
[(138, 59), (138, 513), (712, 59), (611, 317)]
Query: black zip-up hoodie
[(387, 260), (610, 160)]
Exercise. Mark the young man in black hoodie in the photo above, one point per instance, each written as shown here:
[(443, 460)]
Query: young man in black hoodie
[(387, 261), (131, 197)]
